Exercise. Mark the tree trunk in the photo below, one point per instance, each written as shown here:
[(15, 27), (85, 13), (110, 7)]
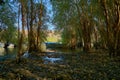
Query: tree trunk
[(39, 27), (32, 45), (112, 30), (20, 42)]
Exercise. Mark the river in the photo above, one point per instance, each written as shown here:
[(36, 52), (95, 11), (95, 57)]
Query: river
[(7, 53), (52, 54)]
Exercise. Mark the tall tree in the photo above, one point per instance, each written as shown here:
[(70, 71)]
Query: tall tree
[(76, 15), (33, 18), (7, 21), (22, 33), (111, 10)]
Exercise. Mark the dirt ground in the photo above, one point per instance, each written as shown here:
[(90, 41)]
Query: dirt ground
[(73, 66)]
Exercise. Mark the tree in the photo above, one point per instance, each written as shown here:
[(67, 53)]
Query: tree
[(33, 21), (90, 21), (7, 21), (77, 15), (1, 2), (36, 26), (21, 34), (65, 20), (111, 10)]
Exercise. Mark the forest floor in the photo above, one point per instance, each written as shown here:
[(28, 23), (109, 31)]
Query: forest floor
[(73, 66)]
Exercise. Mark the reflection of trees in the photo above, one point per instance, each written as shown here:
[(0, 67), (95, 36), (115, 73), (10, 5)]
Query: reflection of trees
[(2, 50)]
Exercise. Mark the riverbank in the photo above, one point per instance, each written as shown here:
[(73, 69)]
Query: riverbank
[(73, 66)]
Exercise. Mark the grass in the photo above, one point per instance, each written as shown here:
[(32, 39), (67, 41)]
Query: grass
[(52, 39)]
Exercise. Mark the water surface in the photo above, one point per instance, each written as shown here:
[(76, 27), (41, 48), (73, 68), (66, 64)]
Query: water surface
[(7, 53)]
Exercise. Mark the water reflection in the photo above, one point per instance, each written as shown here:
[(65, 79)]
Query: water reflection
[(51, 60), (2, 50), (7, 53)]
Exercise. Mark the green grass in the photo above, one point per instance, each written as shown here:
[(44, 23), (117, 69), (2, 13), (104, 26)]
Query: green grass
[(52, 39)]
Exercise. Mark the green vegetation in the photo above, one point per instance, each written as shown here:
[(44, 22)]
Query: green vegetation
[(89, 22), (89, 31), (52, 39), (7, 21)]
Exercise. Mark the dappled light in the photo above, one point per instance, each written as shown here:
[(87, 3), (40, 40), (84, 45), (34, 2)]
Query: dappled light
[(59, 39)]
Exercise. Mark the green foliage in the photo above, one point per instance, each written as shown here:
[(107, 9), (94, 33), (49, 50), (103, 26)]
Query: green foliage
[(89, 21), (52, 39), (34, 15), (7, 21), (9, 35)]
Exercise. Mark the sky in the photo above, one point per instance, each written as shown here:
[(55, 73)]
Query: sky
[(49, 12)]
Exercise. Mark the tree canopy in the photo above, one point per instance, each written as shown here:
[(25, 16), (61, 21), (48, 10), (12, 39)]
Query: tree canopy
[(91, 22)]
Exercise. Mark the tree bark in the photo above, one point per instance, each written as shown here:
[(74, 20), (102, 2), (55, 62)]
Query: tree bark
[(20, 42)]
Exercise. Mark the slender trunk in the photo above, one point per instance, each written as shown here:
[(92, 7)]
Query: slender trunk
[(39, 26), (108, 40), (112, 30), (85, 30), (31, 42), (18, 55), (28, 27), (79, 28), (18, 22), (117, 29), (86, 38), (20, 42)]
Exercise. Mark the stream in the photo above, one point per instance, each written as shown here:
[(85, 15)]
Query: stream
[(52, 56), (7, 53)]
